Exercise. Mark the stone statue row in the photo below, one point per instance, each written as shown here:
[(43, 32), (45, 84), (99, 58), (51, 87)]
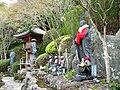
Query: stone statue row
[(57, 65)]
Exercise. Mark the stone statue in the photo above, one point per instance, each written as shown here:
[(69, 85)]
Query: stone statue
[(56, 61), (33, 50), (62, 61), (83, 51), (50, 62), (34, 47), (12, 57), (83, 41)]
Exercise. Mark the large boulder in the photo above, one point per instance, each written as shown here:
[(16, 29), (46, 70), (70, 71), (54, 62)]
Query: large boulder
[(118, 34), (113, 44)]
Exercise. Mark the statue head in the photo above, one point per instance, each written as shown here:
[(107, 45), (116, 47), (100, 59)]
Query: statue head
[(56, 57), (62, 57), (82, 22), (33, 40), (50, 57)]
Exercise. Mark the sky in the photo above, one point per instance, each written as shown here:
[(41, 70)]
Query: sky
[(9, 1)]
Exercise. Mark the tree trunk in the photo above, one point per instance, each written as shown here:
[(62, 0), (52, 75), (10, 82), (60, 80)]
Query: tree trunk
[(66, 56), (1, 56), (105, 49), (5, 57), (107, 62)]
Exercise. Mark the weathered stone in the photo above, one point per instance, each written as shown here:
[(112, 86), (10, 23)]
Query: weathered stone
[(10, 84), (70, 59), (118, 34), (60, 84), (75, 62), (41, 74), (71, 56), (35, 87), (93, 33), (22, 71), (113, 44), (31, 81)]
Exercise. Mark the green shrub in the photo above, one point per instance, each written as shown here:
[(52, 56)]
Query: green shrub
[(23, 58), (66, 42), (62, 42), (19, 77), (50, 35), (114, 85), (70, 74), (0, 76), (103, 82), (16, 66), (42, 60), (41, 48), (94, 88), (71, 22), (47, 38), (51, 48), (4, 65), (1, 83), (7, 74)]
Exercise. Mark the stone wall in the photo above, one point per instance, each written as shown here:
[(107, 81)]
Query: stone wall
[(59, 83)]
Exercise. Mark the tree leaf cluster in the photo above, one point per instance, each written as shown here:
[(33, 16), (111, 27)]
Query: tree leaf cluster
[(24, 14), (112, 14)]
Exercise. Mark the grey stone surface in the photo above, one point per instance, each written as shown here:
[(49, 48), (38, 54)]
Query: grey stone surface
[(29, 80), (60, 83), (70, 59), (10, 84), (75, 61), (113, 44), (118, 34)]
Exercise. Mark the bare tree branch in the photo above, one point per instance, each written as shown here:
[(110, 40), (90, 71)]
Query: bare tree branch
[(100, 7), (110, 6)]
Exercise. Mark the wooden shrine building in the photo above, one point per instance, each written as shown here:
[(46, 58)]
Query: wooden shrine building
[(35, 34)]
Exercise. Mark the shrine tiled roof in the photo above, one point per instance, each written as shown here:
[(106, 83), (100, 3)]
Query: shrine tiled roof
[(35, 30)]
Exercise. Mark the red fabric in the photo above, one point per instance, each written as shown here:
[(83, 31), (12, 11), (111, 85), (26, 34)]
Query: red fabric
[(80, 35), (87, 58)]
